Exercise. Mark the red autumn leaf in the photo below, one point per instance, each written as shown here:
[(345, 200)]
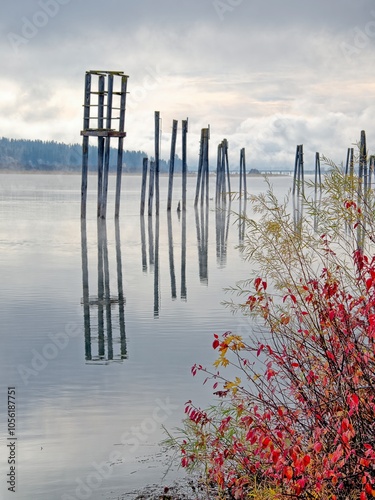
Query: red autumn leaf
[(266, 441), (257, 282), (330, 355), (215, 344), (288, 472), (353, 401), (275, 456), (318, 447)]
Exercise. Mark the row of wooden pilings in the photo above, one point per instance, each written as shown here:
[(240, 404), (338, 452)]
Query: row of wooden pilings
[(366, 167), (151, 169)]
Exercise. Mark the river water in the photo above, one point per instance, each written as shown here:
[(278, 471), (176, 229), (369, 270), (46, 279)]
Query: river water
[(100, 325)]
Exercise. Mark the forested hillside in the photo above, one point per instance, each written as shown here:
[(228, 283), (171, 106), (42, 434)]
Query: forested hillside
[(22, 154)]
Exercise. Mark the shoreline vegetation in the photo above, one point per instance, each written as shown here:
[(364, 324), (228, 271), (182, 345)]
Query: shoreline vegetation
[(298, 420)]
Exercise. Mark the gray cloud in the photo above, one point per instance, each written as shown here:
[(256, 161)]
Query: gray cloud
[(229, 63)]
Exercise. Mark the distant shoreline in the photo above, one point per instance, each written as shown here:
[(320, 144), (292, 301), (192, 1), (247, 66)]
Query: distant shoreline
[(133, 174)]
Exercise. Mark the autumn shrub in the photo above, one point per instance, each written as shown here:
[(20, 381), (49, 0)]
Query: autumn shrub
[(297, 420)]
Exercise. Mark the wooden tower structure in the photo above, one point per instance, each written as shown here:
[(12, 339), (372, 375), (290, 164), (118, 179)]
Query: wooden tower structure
[(104, 118)]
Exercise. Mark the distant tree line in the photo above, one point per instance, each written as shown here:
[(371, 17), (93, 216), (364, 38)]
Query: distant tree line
[(23, 154)]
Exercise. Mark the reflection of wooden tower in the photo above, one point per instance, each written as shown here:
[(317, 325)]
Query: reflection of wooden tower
[(104, 304), (109, 95)]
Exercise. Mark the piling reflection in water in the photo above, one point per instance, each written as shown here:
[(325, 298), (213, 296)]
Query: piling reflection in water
[(110, 329), (201, 222), (223, 214), (183, 257), (171, 257), (156, 270), (242, 221)]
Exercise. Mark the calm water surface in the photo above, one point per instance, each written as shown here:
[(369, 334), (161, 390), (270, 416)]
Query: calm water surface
[(96, 378)]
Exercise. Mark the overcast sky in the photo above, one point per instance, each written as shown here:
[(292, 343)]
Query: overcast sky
[(265, 74)]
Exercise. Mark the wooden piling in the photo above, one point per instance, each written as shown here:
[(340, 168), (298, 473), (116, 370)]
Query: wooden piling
[(318, 176), (302, 170), (184, 162), (85, 145), (296, 164), (206, 167), (157, 161), (243, 185), (363, 160), (299, 176), (171, 163), (143, 188), (347, 162), (371, 170), (101, 142), (199, 174), (120, 149), (218, 176), (151, 187), (226, 159), (107, 148)]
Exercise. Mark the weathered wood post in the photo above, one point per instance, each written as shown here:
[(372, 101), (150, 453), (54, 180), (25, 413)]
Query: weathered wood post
[(184, 162), (206, 167), (218, 176), (347, 162), (101, 141), (144, 181), (363, 162), (151, 187), (171, 163), (371, 169), (85, 145), (107, 147), (299, 177), (226, 158), (120, 149), (296, 167), (199, 175), (318, 176), (243, 174), (157, 161), (302, 168)]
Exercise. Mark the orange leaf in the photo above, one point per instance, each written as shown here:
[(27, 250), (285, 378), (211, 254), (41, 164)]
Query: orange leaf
[(288, 472)]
